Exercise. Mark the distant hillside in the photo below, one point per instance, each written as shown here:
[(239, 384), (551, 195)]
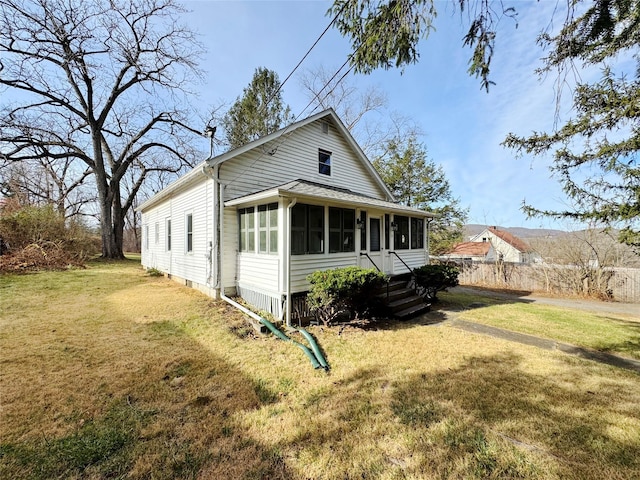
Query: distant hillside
[(472, 229)]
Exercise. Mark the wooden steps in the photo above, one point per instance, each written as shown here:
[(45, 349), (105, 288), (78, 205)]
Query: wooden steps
[(402, 301)]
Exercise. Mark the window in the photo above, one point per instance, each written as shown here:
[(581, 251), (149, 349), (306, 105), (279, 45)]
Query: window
[(417, 233), (247, 229), (268, 228), (157, 233), (168, 234), (324, 162), (341, 230), (146, 237), (401, 238), (189, 232), (374, 227), (307, 229)]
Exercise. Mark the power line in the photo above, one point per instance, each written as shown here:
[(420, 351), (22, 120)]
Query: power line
[(307, 54), (296, 117)]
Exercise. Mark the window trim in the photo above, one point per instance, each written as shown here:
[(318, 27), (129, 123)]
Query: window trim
[(269, 227), (416, 235), (168, 235), (324, 162), (402, 221), (246, 231), (188, 231), (342, 230), (307, 230)]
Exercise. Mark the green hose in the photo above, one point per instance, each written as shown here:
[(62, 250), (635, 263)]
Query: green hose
[(315, 347), (279, 334)]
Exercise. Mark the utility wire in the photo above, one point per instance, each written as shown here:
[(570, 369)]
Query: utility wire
[(306, 54), (285, 129)]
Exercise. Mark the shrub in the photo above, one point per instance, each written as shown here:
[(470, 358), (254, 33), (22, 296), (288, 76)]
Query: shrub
[(347, 291), (38, 237), (431, 279)]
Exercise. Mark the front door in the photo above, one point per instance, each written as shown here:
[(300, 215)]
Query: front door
[(375, 242)]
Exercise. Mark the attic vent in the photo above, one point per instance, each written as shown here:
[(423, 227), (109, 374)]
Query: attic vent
[(325, 128)]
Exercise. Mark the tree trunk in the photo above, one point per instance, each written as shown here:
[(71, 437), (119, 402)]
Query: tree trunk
[(111, 228)]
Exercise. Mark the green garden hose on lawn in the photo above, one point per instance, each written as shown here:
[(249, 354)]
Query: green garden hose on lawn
[(317, 360), (315, 347)]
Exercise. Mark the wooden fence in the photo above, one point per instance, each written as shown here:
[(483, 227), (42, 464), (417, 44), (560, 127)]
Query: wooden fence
[(621, 284)]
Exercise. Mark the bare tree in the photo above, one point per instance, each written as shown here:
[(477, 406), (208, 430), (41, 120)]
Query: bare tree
[(99, 83), (581, 261), (62, 183)]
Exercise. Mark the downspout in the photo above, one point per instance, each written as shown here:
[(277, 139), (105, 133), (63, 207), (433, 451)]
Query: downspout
[(429, 220), (288, 256), (315, 356), (214, 257)]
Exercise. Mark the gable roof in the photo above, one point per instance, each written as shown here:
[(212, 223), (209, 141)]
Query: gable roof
[(198, 172), (283, 132), (313, 190), (474, 249), (511, 239)]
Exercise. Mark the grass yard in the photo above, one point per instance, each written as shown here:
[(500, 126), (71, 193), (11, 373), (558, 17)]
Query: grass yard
[(110, 373), (606, 332)]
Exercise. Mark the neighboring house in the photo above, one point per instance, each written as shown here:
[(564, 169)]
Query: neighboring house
[(506, 246), (471, 252), (256, 220)]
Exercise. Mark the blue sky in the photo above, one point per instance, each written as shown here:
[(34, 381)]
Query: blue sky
[(463, 125)]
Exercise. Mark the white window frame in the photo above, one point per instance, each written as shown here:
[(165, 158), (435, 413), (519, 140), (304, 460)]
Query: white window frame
[(188, 233)]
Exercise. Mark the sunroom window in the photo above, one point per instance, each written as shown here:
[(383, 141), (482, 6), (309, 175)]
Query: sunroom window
[(307, 229), (341, 230), (417, 233), (246, 220), (401, 238), (268, 228)]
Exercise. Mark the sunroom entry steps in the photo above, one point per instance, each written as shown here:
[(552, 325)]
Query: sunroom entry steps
[(402, 301)]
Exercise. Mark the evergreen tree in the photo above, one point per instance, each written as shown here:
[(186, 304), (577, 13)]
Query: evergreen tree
[(258, 112), (418, 182), (595, 153)]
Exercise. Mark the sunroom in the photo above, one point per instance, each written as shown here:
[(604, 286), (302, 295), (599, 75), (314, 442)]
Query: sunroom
[(287, 232)]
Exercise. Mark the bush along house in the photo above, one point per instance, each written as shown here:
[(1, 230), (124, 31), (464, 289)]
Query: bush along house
[(255, 221)]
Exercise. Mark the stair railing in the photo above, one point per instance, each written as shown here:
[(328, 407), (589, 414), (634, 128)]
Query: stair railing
[(365, 254), (413, 275)]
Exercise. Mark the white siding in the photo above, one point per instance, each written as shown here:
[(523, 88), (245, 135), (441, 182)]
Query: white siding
[(413, 258), (192, 266), (303, 265), (230, 249), (259, 272), (297, 157)]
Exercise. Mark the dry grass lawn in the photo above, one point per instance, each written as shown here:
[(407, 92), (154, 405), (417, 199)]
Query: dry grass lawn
[(109, 373)]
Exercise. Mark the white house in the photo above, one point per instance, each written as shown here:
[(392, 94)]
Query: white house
[(256, 220), (505, 246)]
